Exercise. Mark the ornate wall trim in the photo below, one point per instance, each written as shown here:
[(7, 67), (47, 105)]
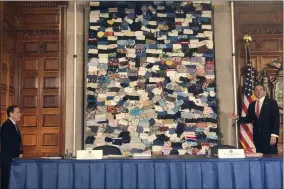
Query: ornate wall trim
[(39, 4), (261, 30), (259, 2), (44, 32)]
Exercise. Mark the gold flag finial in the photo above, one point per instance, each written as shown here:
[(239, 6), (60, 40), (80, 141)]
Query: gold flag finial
[(247, 38)]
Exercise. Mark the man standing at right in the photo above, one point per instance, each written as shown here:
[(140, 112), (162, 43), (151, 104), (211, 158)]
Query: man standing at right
[(263, 114)]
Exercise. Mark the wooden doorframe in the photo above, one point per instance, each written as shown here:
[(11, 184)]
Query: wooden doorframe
[(63, 45), (62, 11)]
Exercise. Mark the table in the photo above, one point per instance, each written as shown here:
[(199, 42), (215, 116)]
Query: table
[(157, 172)]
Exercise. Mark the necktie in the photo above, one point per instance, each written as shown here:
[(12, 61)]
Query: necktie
[(257, 109), (21, 147), (17, 129)]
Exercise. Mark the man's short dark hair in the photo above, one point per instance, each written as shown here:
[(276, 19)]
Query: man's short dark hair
[(259, 84), (11, 109)]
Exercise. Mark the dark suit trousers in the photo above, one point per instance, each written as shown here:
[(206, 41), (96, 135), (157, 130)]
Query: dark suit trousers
[(262, 143), (5, 174)]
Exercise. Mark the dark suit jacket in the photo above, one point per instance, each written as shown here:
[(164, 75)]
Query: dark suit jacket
[(267, 124), (11, 141)]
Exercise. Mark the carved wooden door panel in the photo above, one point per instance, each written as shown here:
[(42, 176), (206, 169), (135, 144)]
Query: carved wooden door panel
[(40, 104)]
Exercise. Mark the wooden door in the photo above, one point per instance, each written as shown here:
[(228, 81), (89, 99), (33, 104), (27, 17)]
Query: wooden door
[(40, 104), (41, 40)]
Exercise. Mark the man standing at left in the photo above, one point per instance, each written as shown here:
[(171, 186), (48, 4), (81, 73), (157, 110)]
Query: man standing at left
[(11, 143)]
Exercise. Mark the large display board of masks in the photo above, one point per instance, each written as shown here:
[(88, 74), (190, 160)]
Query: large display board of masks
[(150, 82)]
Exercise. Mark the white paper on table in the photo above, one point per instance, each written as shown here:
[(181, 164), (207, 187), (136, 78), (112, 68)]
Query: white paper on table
[(89, 154)]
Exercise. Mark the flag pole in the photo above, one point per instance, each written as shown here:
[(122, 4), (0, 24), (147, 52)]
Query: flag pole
[(234, 73), (247, 39), (75, 79)]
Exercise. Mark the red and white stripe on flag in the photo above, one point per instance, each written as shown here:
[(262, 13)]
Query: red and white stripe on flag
[(246, 134)]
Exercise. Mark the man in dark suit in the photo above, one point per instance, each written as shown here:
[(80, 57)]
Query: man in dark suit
[(11, 143), (263, 113)]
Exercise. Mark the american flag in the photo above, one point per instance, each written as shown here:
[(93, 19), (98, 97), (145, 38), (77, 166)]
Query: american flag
[(246, 137)]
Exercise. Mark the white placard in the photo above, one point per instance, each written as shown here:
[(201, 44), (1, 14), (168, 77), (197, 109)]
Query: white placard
[(89, 154), (231, 153), (141, 155)]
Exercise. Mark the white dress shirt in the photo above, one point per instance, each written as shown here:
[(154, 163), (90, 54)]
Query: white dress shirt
[(260, 106)]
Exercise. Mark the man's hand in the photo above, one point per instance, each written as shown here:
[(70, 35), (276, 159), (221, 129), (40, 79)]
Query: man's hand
[(21, 156), (232, 116), (273, 140)]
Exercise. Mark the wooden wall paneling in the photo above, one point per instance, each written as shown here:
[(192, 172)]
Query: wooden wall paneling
[(32, 54), (264, 22), (2, 108), (32, 50), (11, 14), (47, 18), (9, 30), (8, 56)]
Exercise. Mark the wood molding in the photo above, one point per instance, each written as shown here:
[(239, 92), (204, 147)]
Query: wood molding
[(63, 47), (43, 32), (32, 4), (253, 29), (9, 29), (259, 2)]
